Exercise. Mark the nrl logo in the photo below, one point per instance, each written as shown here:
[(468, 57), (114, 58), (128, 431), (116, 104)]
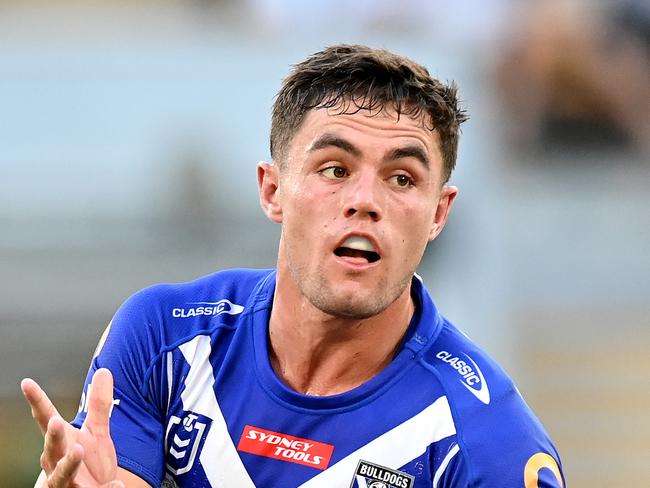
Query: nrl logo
[(184, 439), (369, 475)]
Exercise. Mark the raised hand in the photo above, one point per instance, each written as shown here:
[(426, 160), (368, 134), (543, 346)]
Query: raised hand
[(76, 458)]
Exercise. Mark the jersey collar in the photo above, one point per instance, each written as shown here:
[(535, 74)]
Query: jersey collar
[(421, 333)]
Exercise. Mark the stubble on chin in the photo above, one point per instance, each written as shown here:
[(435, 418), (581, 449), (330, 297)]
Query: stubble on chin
[(322, 294)]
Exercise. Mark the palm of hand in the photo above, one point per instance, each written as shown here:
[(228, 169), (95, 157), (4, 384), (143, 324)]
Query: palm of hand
[(76, 458), (99, 465)]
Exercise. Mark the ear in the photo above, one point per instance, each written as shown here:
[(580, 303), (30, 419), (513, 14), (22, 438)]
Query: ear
[(445, 201), (268, 184)]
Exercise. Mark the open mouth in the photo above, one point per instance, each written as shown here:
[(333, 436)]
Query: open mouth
[(358, 247), (369, 256)]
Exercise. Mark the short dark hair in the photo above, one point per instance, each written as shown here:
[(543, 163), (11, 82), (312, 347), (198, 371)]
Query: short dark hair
[(355, 78)]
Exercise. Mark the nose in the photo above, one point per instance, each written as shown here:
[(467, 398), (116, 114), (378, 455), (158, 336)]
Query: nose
[(363, 199)]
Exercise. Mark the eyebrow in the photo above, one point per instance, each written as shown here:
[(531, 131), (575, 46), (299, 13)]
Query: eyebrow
[(408, 152), (332, 140)]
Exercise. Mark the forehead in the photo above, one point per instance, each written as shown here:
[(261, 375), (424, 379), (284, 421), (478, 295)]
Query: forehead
[(364, 127)]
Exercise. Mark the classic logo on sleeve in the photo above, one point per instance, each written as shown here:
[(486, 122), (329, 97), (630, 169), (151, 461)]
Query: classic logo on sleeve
[(196, 309), (471, 376), (369, 475), (184, 440), (284, 447)]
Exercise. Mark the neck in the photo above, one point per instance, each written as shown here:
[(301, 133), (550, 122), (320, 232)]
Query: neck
[(319, 354)]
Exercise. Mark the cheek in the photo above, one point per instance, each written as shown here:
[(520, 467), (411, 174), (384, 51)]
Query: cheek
[(293, 201), (415, 226), (314, 201), (304, 215)]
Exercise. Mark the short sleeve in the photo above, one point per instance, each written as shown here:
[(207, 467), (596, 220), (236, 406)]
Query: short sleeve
[(505, 446), (129, 349), (500, 440)]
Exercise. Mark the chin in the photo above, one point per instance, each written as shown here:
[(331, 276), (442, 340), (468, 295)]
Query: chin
[(350, 306), (353, 311)]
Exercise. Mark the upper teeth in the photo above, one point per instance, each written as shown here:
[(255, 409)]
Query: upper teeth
[(358, 243)]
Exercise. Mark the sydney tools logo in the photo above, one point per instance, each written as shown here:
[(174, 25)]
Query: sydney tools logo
[(285, 447)]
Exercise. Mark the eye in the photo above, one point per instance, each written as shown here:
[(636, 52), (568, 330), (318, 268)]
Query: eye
[(334, 172), (402, 180)]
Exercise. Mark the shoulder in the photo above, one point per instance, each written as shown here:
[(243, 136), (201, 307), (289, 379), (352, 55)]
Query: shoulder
[(166, 313), (497, 432), (221, 289), (236, 283), (470, 376)]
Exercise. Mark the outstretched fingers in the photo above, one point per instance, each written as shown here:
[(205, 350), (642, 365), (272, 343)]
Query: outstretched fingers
[(55, 445), (66, 470), (100, 403), (42, 408)]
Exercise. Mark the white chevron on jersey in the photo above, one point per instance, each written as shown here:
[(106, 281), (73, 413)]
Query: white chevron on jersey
[(361, 481), (395, 448), (219, 458), (443, 465), (170, 383)]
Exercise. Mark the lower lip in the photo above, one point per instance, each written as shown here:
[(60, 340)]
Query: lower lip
[(357, 264)]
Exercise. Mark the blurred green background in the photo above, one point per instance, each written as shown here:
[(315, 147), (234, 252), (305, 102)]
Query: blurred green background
[(129, 135)]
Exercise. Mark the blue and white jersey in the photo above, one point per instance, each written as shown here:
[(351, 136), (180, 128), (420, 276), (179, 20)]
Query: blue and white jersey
[(197, 401)]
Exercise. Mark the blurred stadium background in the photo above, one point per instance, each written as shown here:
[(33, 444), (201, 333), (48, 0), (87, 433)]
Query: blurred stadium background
[(129, 134)]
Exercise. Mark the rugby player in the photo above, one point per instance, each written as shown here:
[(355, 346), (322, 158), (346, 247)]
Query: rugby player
[(335, 369)]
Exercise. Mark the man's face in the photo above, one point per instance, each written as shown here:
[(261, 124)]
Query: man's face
[(359, 198)]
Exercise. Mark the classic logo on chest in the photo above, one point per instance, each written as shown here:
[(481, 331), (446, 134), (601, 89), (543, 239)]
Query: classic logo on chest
[(369, 475), (255, 440), (184, 440)]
